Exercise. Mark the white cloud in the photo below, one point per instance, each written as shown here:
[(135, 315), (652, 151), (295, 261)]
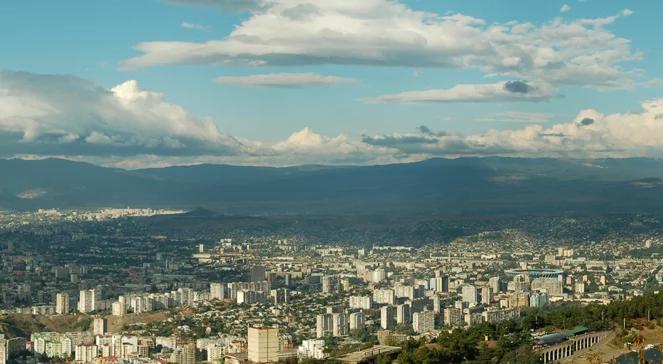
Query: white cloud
[(590, 134), (69, 115), (194, 26), (382, 32), (283, 80), (65, 116), (493, 92), (565, 8), (654, 82)]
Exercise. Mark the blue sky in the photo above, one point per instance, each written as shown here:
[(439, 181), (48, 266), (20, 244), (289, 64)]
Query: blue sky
[(97, 41)]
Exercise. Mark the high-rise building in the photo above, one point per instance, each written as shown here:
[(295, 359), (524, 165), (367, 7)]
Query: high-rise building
[(217, 291), (387, 317), (87, 301), (62, 303), (384, 296), (86, 353), (314, 349), (357, 320), (494, 283), (100, 326), (263, 344), (324, 325), (339, 324), (362, 302), (3, 349), (538, 299), (486, 295), (423, 322), (440, 282), (403, 314), (118, 308), (437, 304), (469, 294), (329, 284), (453, 316), (280, 295)]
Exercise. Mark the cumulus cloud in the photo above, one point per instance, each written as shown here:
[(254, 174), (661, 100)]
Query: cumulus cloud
[(58, 114), (382, 32), (310, 147), (127, 126), (500, 91), (288, 80), (590, 134), (565, 8)]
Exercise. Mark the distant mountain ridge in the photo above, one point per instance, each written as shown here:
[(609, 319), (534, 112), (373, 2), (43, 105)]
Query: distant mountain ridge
[(464, 186)]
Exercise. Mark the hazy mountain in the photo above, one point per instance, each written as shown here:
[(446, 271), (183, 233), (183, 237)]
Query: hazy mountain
[(476, 186)]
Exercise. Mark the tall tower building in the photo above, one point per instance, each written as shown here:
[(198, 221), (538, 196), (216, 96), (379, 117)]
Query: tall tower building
[(387, 317), (62, 303), (263, 343)]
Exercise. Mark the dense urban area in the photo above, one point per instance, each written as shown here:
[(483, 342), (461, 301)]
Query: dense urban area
[(168, 286)]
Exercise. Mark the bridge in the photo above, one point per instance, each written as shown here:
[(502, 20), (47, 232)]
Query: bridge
[(567, 348)]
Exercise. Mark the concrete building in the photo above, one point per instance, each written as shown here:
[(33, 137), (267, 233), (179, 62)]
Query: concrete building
[(340, 325), (423, 322), (312, 349), (469, 294), (99, 326), (403, 314), (62, 303), (263, 345), (323, 325), (217, 291), (357, 320), (87, 301), (387, 318)]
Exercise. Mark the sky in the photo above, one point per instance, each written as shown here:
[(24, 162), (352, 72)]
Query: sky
[(137, 83)]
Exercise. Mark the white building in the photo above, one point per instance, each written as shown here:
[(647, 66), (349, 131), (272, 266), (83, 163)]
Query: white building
[(357, 320), (362, 302), (99, 326), (469, 294), (61, 304), (87, 301), (423, 322), (86, 353), (263, 344), (387, 317), (312, 349), (217, 291)]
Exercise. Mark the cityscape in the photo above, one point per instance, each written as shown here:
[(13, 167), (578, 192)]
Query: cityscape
[(136, 297), (331, 182)]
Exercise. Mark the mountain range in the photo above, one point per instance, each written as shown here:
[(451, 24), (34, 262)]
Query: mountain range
[(455, 187)]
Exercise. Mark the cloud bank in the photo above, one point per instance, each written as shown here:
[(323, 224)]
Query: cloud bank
[(128, 126), (389, 33)]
